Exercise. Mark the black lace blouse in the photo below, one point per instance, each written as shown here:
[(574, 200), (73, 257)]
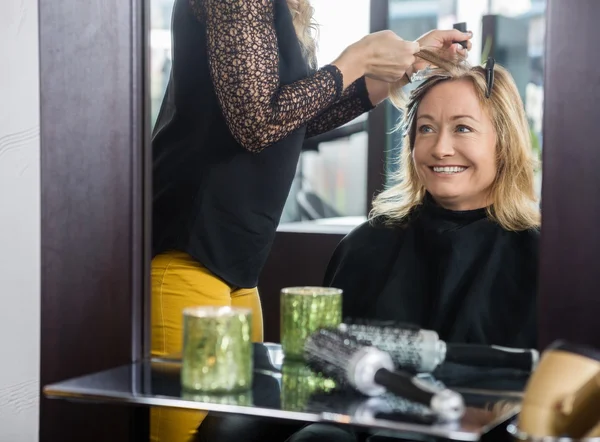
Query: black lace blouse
[(240, 101)]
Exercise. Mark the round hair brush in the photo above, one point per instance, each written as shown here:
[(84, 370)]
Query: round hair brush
[(369, 370), (422, 351)]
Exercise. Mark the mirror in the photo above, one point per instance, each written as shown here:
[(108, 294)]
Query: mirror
[(331, 191), (330, 187), (513, 32)]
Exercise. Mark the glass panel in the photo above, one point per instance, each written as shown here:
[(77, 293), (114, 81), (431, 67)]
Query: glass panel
[(513, 29), (160, 52), (330, 188), (330, 185), (291, 391)]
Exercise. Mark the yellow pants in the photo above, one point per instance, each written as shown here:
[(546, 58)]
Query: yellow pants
[(178, 281)]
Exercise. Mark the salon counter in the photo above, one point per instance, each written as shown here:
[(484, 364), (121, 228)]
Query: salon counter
[(288, 391), (338, 226)]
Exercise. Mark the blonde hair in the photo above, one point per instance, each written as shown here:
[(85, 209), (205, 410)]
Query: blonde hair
[(306, 29), (514, 200)]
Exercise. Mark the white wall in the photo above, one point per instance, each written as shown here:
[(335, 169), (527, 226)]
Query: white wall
[(19, 221)]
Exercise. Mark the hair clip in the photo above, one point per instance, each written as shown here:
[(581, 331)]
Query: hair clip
[(489, 75), (407, 121), (419, 75)]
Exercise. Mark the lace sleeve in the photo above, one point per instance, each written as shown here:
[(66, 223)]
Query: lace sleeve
[(354, 102), (244, 61)]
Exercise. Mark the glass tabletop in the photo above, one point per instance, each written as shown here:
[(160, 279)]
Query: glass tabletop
[(290, 391)]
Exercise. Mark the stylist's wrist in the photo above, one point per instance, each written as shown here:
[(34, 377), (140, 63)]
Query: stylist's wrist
[(351, 64)]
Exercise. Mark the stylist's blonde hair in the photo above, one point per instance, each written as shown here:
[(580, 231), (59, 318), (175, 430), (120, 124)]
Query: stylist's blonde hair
[(306, 28), (515, 205)]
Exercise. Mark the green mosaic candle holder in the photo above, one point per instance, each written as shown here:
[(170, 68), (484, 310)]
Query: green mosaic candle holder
[(243, 399), (304, 310), (299, 383), (217, 350)]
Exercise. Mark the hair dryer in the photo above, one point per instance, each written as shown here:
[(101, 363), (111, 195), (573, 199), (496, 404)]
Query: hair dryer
[(562, 396)]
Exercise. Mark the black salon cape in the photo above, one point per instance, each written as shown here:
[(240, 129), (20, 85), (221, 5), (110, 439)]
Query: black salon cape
[(457, 273)]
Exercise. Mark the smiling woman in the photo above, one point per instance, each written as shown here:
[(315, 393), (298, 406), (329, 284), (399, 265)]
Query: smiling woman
[(455, 147), (453, 247), (450, 122)]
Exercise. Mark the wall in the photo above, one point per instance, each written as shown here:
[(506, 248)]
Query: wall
[(19, 221), (94, 265), (569, 304)]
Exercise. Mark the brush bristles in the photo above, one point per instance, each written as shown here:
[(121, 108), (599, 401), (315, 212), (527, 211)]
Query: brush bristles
[(329, 351), (348, 400), (404, 345)]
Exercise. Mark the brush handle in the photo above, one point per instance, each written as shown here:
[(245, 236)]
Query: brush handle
[(446, 404), (403, 384), (492, 356), (462, 27), (422, 351)]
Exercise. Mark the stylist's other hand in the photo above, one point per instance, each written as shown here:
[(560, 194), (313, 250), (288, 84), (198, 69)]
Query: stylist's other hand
[(381, 56), (446, 42)]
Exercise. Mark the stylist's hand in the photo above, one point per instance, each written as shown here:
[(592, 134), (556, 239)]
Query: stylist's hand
[(381, 56), (446, 42)]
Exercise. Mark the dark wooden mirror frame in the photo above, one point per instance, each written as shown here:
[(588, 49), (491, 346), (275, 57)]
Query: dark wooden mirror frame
[(95, 188), (95, 195)]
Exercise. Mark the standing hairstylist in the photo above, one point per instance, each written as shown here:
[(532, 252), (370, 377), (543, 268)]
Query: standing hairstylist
[(243, 95)]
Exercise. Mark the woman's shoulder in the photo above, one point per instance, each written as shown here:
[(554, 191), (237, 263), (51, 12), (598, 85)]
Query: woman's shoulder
[(525, 245), (366, 245), (360, 260), (531, 234), (370, 233), (529, 238)]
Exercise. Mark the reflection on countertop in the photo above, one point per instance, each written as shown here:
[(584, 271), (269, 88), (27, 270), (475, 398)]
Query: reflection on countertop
[(290, 391)]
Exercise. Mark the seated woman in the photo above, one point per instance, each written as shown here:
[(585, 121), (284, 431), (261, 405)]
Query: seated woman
[(453, 246)]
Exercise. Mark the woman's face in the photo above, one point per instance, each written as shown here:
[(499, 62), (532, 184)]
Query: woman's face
[(455, 147)]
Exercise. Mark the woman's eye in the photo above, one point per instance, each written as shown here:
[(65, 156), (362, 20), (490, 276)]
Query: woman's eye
[(425, 129), (463, 129)]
